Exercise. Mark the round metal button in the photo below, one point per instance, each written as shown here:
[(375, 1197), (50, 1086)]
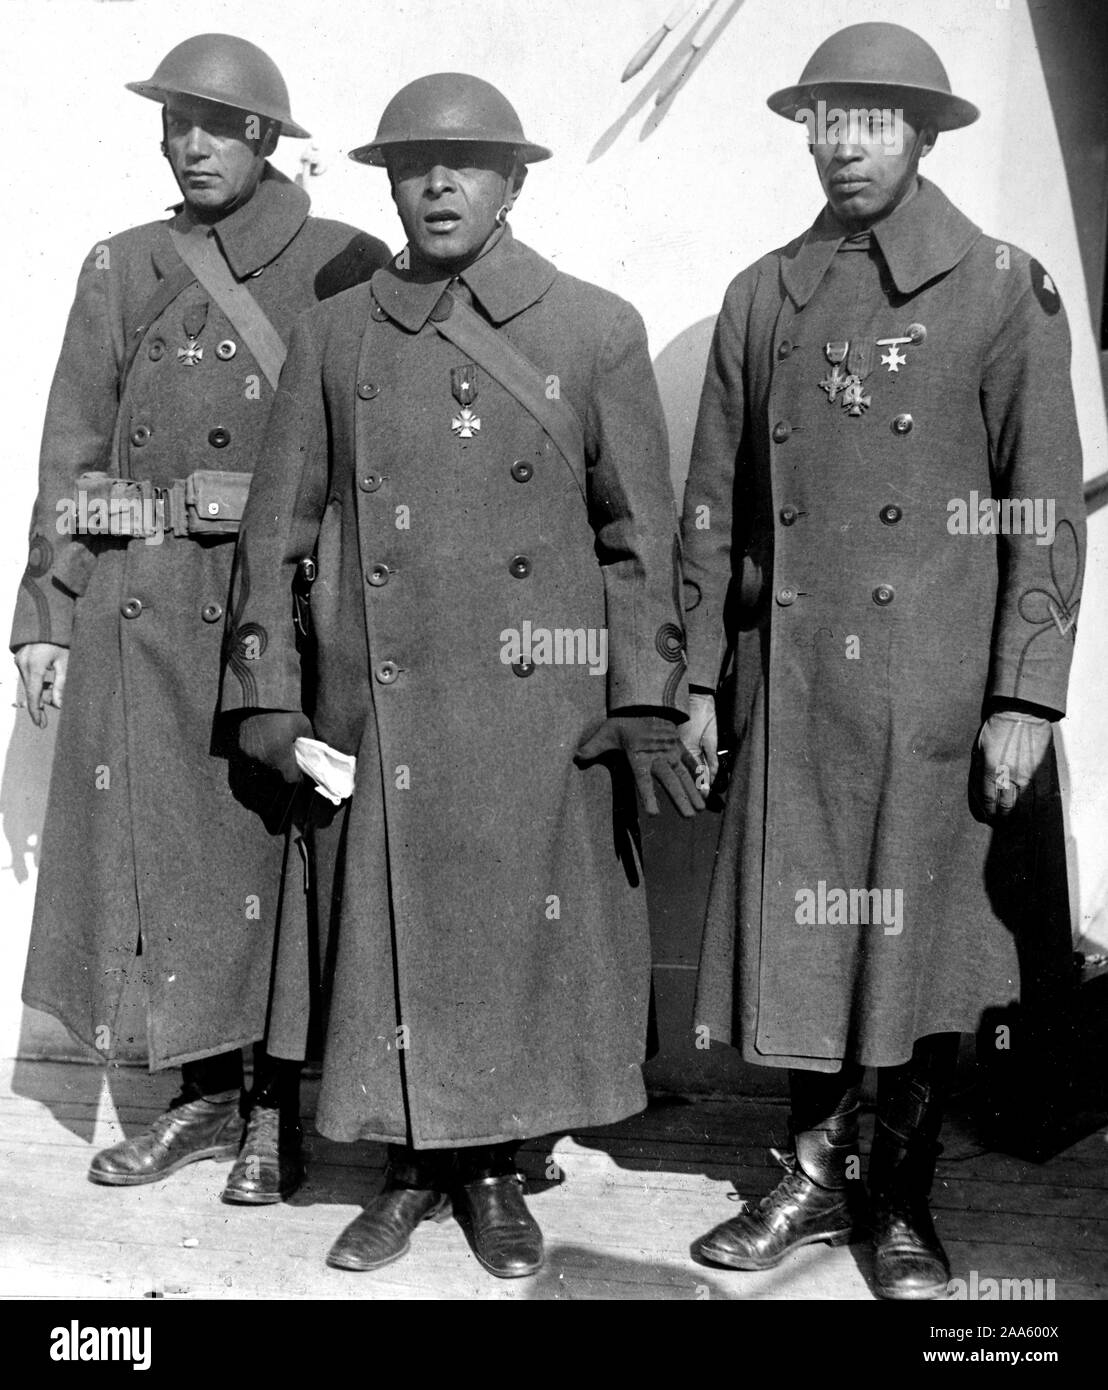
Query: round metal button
[(522, 471), (370, 482), (781, 431), (226, 349), (377, 313), (367, 390), (219, 438), (784, 347), (916, 332), (902, 424), (131, 607), (786, 596), (156, 350), (883, 594), (387, 672), (891, 514), (212, 612), (377, 575), (140, 434), (788, 515), (520, 567), (523, 668)]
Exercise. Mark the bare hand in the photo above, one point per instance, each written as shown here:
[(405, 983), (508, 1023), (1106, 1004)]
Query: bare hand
[(42, 667), (700, 736)]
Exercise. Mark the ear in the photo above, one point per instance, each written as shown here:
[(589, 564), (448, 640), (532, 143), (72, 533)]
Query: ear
[(268, 142), (515, 182), (928, 138)]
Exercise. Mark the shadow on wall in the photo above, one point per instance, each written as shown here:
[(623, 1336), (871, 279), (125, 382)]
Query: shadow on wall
[(664, 84), (680, 368), (23, 789)]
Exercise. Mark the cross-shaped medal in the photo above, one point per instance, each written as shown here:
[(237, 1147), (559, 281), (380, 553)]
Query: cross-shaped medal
[(835, 381), (465, 424), (190, 355)]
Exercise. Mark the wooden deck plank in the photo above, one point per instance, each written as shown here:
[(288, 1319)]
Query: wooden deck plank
[(618, 1226)]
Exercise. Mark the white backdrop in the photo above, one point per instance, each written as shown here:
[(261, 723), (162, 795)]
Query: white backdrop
[(663, 205)]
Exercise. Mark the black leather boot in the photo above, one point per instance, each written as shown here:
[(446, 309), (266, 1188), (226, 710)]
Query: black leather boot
[(270, 1164), (812, 1203), (204, 1121), (415, 1190), (505, 1236), (909, 1259)]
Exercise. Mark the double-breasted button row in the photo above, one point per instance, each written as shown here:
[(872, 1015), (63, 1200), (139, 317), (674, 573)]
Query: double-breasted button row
[(367, 390), (883, 595), (212, 612), (386, 672), (520, 567), (902, 424), (377, 575), (140, 435), (523, 668), (781, 431), (131, 607), (890, 514), (219, 438), (370, 482), (786, 596), (788, 515), (522, 471)]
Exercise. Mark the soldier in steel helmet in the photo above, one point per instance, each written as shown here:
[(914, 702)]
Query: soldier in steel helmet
[(473, 451), (162, 858), (893, 671)]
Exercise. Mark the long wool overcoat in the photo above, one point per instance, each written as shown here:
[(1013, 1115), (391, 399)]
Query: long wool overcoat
[(840, 546), (144, 837), (492, 961)]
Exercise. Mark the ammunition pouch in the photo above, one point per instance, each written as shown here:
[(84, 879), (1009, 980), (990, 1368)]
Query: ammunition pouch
[(206, 503)]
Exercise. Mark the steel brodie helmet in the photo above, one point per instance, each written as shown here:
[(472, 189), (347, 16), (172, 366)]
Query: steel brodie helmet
[(447, 107), (892, 64), (227, 70)]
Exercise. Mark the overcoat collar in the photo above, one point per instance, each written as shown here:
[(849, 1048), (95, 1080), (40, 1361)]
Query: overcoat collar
[(257, 233), (506, 280), (923, 237)]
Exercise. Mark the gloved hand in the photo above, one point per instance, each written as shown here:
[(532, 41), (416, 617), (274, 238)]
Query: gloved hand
[(700, 736), (1010, 749), (42, 668), (268, 736), (652, 749)]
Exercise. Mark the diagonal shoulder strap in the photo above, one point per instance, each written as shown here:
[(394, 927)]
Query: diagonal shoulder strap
[(204, 258), (519, 376), (166, 292)]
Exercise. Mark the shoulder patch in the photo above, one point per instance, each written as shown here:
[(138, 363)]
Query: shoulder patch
[(1050, 301)]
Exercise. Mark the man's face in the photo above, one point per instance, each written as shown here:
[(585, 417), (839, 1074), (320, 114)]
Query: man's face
[(448, 196), (217, 153), (867, 160)]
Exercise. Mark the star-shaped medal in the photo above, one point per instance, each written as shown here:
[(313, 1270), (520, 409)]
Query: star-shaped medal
[(894, 359), (465, 424)]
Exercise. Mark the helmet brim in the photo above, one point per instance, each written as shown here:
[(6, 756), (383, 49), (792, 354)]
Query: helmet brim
[(374, 153), (941, 109), (154, 92)]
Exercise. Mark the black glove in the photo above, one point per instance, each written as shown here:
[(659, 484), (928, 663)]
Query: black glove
[(268, 737), (653, 749)]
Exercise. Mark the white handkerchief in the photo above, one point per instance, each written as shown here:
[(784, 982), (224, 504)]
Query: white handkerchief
[(332, 771)]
